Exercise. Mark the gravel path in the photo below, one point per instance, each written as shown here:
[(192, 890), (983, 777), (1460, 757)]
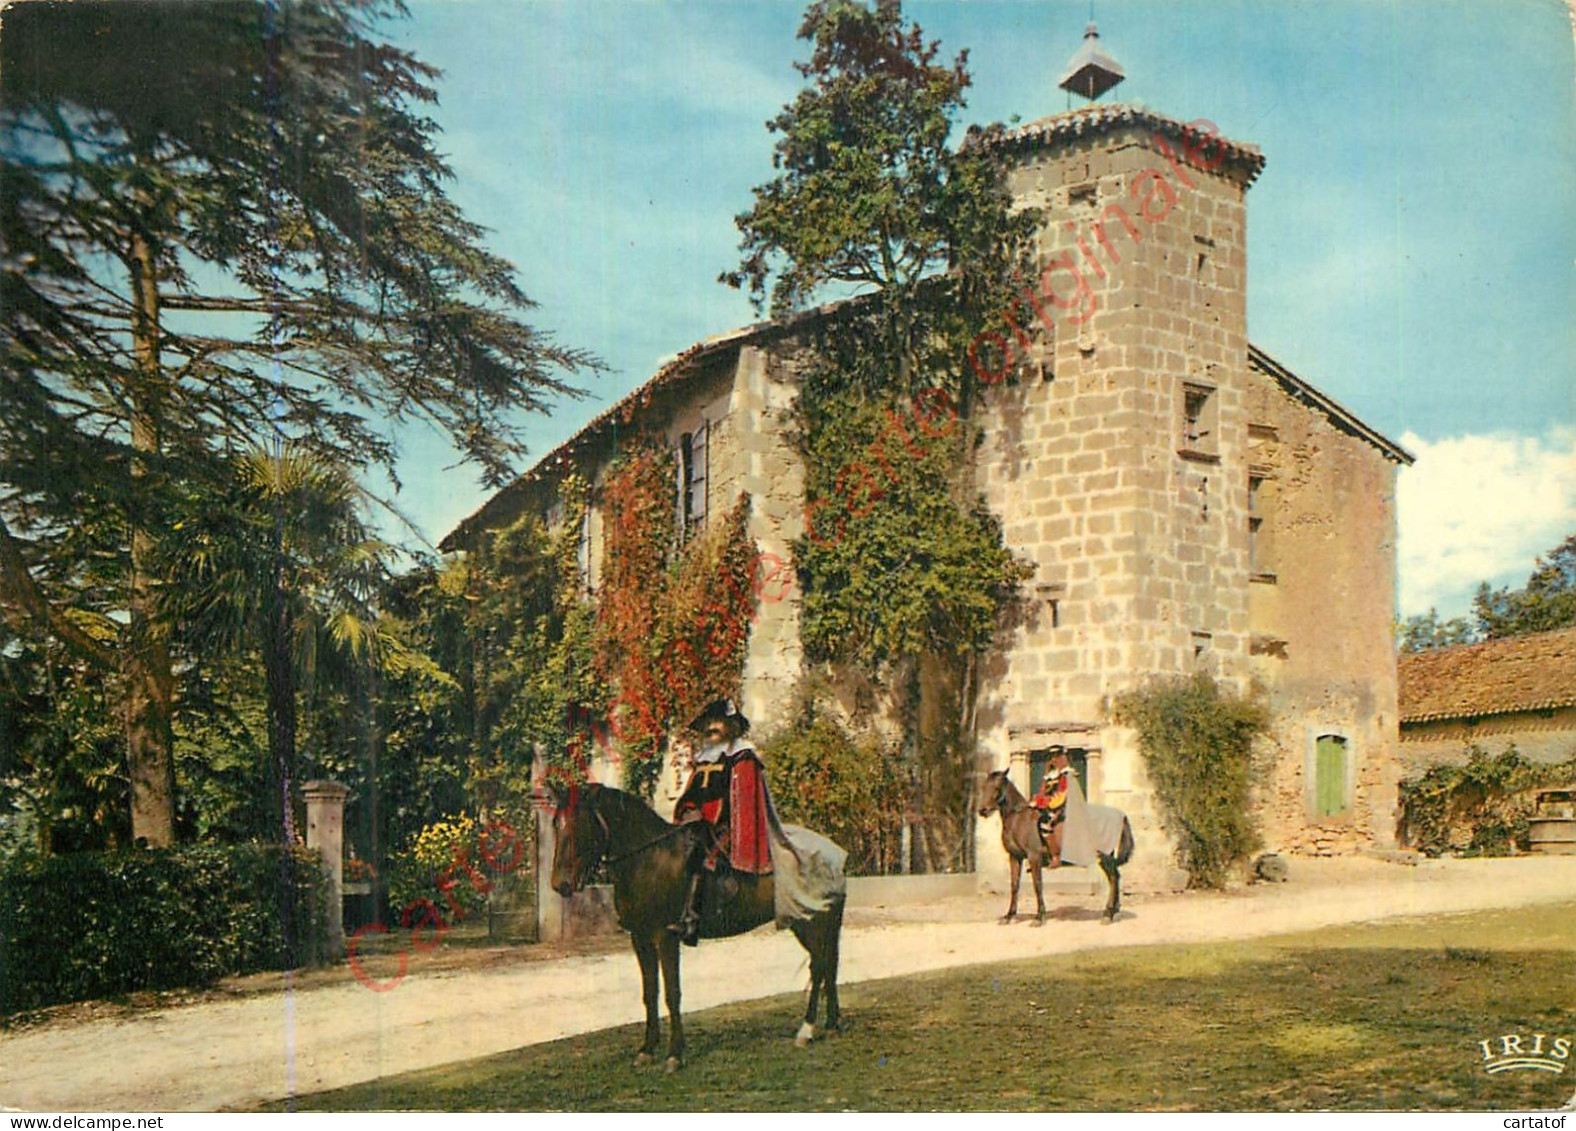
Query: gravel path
[(241, 1052)]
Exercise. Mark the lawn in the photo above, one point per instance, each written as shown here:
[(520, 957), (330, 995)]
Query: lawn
[(1384, 1016)]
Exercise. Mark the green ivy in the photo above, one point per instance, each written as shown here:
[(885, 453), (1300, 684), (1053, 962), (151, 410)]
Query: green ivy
[(897, 560), (1479, 808), (1198, 741)]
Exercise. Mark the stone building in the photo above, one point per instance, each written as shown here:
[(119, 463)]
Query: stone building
[(1520, 691), (1188, 502)]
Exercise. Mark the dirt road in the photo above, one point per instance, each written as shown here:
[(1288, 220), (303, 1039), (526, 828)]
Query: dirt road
[(237, 1053)]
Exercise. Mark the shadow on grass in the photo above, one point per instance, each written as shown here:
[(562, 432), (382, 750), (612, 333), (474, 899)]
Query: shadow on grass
[(1369, 1018)]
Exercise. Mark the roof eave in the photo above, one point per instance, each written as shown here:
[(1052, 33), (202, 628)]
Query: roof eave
[(1336, 412)]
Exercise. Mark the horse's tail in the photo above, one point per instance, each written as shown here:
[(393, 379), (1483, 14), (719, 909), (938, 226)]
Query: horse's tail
[(1124, 848)]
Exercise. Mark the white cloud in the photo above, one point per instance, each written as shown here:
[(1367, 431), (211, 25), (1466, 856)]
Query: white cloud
[(1480, 508)]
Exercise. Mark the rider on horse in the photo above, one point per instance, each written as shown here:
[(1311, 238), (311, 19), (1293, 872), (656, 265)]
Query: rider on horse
[(723, 808), (1051, 802)]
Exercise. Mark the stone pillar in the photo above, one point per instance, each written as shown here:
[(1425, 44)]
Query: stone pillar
[(325, 831)]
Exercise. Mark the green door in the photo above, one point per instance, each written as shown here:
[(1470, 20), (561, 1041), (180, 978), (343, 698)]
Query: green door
[(1329, 783)]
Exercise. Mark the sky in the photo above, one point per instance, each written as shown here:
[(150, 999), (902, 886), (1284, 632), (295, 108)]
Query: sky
[(1411, 241)]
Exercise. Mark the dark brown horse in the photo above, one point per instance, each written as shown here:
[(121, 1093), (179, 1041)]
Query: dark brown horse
[(1020, 836), (644, 856)]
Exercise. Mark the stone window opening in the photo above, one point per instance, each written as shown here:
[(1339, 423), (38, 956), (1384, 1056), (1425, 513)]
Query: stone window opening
[(694, 467), (1205, 247), (1203, 646), (583, 553), (1261, 501), (1200, 419)]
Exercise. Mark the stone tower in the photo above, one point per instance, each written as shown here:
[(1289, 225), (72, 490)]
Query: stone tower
[(1116, 451)]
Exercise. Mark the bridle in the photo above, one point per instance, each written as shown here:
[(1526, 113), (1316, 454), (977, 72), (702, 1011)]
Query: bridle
[(1000, 799), (587, 862)]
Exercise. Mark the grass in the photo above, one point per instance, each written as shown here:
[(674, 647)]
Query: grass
[(1383, 1016)]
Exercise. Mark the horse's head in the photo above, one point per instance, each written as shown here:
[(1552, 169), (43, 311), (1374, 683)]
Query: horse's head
[(580, 836), (995, 792)]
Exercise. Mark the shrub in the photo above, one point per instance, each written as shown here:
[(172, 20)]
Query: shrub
[(450, 864), (1198, 745), (89, 925), (851, 791), (1480, 808)]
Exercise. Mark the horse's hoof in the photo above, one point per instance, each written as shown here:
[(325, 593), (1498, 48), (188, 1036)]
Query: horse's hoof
[(1038, 923), (673, 1065), (643, 1060), (1107, 920), (805, 1035), (1005, 919)]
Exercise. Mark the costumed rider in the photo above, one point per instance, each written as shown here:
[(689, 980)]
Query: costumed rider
[(1051, 801), (723, 809)]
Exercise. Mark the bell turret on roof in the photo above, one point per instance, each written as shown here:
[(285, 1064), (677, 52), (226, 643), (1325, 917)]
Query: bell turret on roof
[(1091, 72)]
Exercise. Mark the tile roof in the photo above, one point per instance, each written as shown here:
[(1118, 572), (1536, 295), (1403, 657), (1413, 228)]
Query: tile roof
[(1100, 119), (507, 505), (1498, 677)]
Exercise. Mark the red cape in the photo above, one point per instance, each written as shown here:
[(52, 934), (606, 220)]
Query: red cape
[(749, 841)]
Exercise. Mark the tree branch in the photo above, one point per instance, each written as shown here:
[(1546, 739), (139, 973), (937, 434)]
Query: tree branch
[(18, 591)]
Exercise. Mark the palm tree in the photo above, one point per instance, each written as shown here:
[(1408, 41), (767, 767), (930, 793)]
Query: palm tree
[(282, 560)]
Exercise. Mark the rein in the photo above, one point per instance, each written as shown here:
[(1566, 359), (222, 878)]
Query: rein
[(636, 851), (1006, 804), (607, 837)]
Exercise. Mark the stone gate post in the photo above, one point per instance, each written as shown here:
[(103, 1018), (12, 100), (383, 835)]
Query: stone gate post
[(325, 831)]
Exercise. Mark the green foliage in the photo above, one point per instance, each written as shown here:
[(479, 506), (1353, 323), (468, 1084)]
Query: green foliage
[(443, 865), (1198, 745), (1420, 633), (1545, 603), (258, 245), (901, 561), (892, 566), (89, 925), (870, 194), (853, 791), (62, 788), (1479, 808)]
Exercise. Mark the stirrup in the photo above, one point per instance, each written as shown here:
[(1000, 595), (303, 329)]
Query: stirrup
[(687, 928)]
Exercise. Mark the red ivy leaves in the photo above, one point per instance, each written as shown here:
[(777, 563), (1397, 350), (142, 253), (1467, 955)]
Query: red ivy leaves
[(670, 637)]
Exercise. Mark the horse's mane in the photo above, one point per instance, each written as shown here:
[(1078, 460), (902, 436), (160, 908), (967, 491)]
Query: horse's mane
[(624, 805)]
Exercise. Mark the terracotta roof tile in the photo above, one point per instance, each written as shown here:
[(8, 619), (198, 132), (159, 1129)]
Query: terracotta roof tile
[(1522, 673), (1107, 118)]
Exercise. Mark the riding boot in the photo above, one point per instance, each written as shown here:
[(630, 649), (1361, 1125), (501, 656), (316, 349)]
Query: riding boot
[(688, 925)]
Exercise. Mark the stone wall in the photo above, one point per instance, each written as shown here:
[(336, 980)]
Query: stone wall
[(1322, 605), (1539, 736), (1134, 517)]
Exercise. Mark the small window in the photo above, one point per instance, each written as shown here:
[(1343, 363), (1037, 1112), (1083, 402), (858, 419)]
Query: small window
[(1261, 499), (1199, 431), (1203, 645), (694, 469), (1331, 764), (583, 551)]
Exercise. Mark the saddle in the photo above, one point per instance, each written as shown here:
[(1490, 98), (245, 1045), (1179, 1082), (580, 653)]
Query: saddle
[(1049, 819)]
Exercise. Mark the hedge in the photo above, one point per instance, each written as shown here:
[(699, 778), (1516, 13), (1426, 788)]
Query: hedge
[(92, 925)]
